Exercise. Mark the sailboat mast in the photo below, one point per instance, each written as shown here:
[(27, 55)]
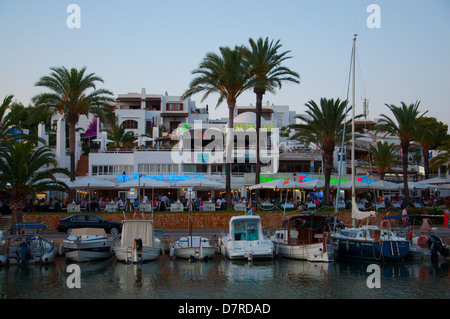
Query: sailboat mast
[(353, 123), (354, 209)]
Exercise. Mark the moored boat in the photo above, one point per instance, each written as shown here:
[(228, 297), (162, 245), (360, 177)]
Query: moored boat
[(303, 237), (87, 244), (138, 243), (192, 248), (372, 243), (425, 242), (245, 240), (26, 244)]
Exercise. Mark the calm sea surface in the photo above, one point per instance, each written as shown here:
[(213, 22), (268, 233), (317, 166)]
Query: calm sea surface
[(223, 279)]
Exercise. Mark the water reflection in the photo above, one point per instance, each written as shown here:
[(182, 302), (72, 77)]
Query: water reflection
[(220, 278)]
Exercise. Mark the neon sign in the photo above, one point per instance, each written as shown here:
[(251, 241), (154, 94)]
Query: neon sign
[(172, 177)]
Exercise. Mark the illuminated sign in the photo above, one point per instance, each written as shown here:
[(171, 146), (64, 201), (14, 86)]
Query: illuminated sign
[(172, 177)]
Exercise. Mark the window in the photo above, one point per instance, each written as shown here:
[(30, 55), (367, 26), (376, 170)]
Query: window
[(245, 230), (174, 106), (130, 124)]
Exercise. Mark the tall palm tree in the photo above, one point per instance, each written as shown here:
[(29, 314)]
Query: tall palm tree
[(430, 134), (384, 156), (404, 126), (264, 64), (73, 93), (27, 171), (324, 126), (224, 74)]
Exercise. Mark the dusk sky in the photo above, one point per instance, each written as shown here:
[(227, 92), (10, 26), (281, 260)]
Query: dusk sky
[(156, 44)]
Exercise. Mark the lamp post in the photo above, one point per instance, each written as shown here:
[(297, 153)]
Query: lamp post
[(139, 188)]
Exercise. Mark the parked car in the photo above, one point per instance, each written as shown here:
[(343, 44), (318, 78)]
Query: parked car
[(88, 221), (331, 223)]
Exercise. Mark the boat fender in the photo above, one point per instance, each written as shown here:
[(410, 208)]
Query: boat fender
[(172, 251), (61, 249), (277, 249), (191, 259)]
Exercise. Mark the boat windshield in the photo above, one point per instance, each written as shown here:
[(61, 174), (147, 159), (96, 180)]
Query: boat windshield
[(245, 230)]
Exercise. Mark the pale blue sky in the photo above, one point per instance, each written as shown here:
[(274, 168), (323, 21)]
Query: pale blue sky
[(156, 44)]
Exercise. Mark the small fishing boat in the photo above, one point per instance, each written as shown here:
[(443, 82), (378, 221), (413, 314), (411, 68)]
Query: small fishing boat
[(370, 242), (245, 240), (26, 245), (424, 243), (87, 244), (192, 248), (303, 237), (138, 243)]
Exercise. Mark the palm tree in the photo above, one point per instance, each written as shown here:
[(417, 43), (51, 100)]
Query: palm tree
[(6, 125), (430, 134), (267, 74), (443, 157), (71, 98), (119, 136), (226, 75), (406, 117), (384, 155), (324, 126), (27, 171)]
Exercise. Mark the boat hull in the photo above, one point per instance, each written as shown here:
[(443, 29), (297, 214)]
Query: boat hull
[(80, 251), (37, 250), (373, 250), (310, 252), (196, 252), (129, 254), (247, 250)]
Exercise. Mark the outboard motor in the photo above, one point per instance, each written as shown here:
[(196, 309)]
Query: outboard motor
[(139, 246), (435, 245), (24, 252)]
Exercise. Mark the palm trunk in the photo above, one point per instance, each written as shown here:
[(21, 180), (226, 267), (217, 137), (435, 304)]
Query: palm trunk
[(72, 147), (426, 163), (229, 153), (16, 205), (328, 166), (405, 147), (259, 96)]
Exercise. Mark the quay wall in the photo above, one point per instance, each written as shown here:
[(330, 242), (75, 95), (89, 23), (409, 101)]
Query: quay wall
[(178, 220)]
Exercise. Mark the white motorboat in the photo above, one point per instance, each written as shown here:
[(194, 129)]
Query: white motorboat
[(303, 237), (138, 243), (87, 244), (24, 244), (192, 248), (245, 240)]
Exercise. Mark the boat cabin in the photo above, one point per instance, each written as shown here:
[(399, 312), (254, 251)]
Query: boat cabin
[(246, 228), (304, 228)]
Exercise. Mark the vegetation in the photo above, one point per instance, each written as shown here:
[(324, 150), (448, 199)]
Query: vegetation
[(226, 75), (27, 171), (264, 63), (73, 93)]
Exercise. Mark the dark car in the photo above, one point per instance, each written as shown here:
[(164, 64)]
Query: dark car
[(331, 223), (88, 221)]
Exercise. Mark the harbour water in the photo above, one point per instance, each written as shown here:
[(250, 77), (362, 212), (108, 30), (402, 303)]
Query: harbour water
[(222, 279)]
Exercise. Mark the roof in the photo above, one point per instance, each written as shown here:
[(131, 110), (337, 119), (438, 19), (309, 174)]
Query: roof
[(29, 225), (247, 118)]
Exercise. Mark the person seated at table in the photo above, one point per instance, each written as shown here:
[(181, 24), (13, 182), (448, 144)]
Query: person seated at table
[(136, 203)]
